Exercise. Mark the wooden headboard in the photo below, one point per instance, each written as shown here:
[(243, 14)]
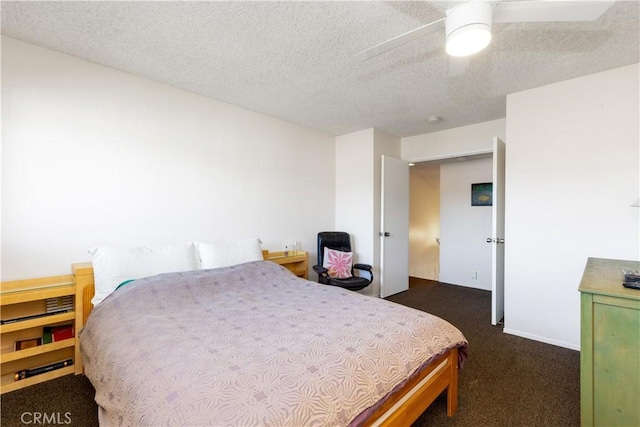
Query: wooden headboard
[(85, 288)]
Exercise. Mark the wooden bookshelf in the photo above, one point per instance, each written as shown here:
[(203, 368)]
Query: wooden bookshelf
[(23, 305), (9, 384), (33, 351)]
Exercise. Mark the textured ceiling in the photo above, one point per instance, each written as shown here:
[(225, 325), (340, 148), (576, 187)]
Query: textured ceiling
[(295, 60)]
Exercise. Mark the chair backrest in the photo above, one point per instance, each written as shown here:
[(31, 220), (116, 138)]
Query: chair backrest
[(338, 240)]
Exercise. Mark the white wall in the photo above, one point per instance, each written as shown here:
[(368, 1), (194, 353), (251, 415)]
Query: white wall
[(93, 156), (354, 194), (465, 256), (424, 221), (358, 168), (476, 138), (572, 172)]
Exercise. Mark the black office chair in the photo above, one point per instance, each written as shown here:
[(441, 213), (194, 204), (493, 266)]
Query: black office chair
[(340, 241)]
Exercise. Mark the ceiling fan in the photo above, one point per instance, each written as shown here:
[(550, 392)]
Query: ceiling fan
[(468, 24)]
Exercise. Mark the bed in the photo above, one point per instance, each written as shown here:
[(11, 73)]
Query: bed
[(252, 344)]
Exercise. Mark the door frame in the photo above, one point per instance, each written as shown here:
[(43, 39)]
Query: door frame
[(469, 155), (497, 232)]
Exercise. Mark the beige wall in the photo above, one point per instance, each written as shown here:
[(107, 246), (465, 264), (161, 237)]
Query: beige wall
[(424, 221), (92, 156)]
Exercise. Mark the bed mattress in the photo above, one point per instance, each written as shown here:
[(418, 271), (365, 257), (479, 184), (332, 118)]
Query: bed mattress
[(251, 344)]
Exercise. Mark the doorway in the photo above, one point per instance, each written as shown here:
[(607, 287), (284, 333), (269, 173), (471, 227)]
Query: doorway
[(447, 236), (424, 220)]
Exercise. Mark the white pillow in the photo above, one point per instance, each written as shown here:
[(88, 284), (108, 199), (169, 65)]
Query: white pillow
[(112, 266), (224, 254)]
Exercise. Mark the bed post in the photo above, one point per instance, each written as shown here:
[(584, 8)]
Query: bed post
[(452, 389), (83, 278)]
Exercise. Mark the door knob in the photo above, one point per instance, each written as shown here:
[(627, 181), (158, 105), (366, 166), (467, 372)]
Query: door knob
[(498, 240), (385, 234)]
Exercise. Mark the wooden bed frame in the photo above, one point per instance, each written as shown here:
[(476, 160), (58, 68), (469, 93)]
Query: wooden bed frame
[(402, 408)]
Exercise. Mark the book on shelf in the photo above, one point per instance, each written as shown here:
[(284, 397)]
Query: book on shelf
[(24, 344), (56, 333), (60, 304), (34, 316), (46, 335), (26, 373)]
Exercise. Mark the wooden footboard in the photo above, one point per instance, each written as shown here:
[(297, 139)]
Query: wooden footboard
[(409, 402), (402, 408)]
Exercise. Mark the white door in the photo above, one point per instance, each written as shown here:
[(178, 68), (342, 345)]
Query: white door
[(394, 227), (497, 234)]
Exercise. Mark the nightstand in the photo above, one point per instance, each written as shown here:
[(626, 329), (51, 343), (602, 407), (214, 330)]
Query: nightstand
[(297, 262)]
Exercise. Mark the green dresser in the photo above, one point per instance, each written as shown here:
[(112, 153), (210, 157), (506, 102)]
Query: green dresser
[(610, 346)]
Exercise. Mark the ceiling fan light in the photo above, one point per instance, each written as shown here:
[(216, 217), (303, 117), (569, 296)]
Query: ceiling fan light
[(468, 28), (468, 40)]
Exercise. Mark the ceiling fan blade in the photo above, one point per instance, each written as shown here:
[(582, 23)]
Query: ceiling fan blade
[(401, 39), (550, 11)]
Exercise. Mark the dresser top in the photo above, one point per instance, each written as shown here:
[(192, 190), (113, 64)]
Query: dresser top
[(604, 276)]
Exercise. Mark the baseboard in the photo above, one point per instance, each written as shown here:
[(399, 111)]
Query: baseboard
[(541, 339)]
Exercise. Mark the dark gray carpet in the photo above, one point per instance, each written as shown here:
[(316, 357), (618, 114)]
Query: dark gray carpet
[(506, 380)]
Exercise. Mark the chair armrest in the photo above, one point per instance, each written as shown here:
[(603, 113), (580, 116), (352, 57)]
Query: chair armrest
[(320, 269), (366, 267)]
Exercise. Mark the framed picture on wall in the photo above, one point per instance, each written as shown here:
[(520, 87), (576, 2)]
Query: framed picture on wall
[(482, 194)]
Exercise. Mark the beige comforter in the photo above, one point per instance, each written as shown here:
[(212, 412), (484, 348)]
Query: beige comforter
[(250, 345)]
